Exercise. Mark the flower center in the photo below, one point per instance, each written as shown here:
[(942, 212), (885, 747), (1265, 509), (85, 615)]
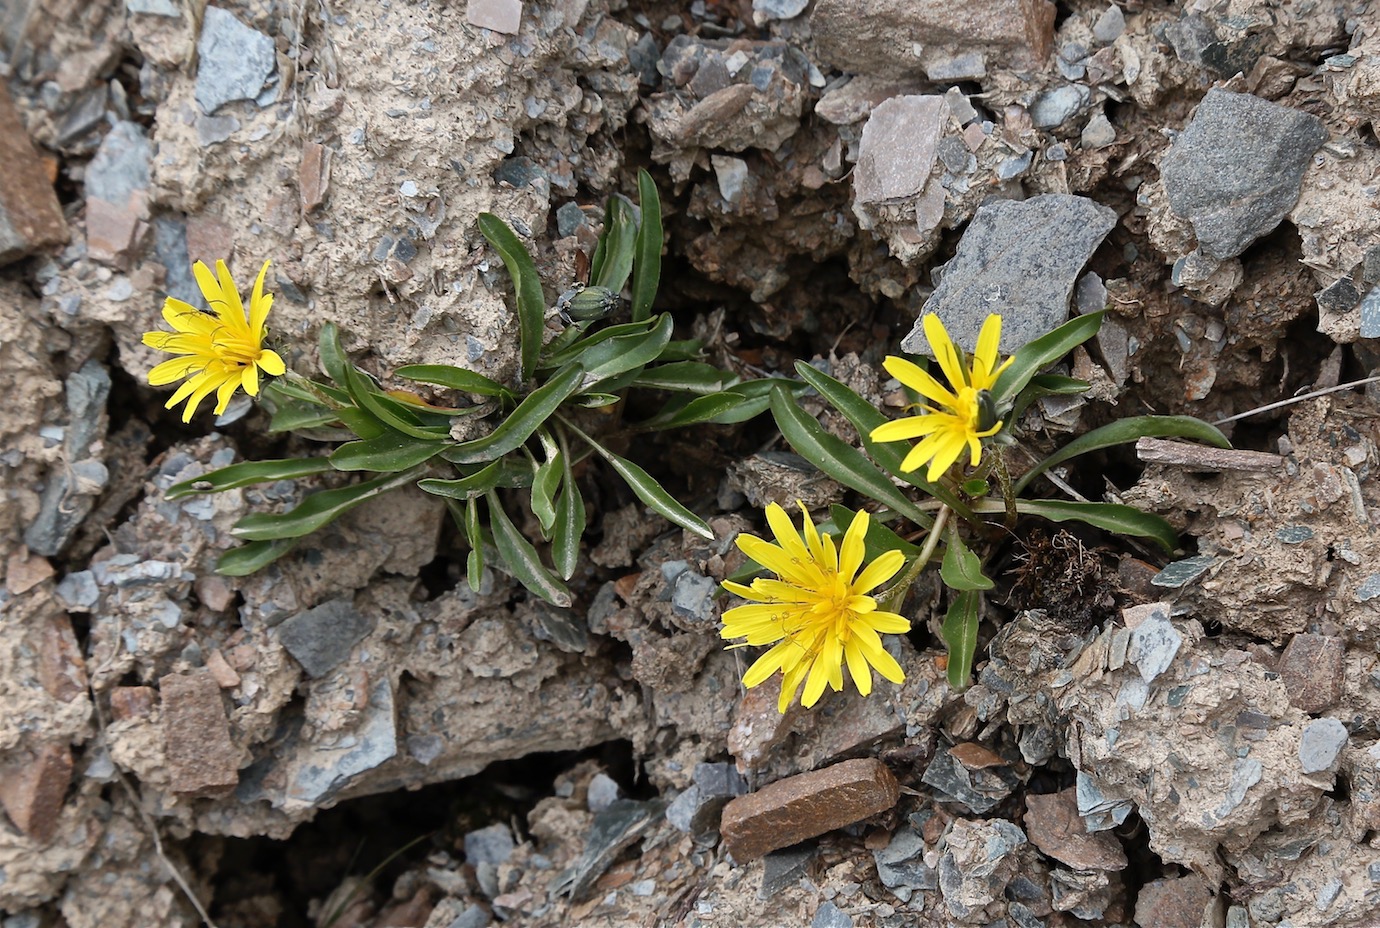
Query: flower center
[(238, 351)]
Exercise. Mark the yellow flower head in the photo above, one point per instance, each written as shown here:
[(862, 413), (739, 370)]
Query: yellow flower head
[(220, 350), (818, 614), (954, 422)]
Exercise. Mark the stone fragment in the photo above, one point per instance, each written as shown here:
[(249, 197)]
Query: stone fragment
[(1178, 574), (780, 9), (980, 790), (226, 677), (1177, 902), (1020, 259), (933, 34), (829, 915), (503, 16), (696, 811), (612, 830), (1321, 745), (33, 787), (72, 488), (901, 864), (1313, 668), (234, 60), (201, 758), (322, 637), (313, 175), (491, 845), (603, 792), (1236, 169), (24, 571), (30, 216), (131, 702), (1110, 25), (898, 146), (120, 167), (1154, 644), (323, 769), (1098, 133), (1054, 826), (783, 868), (977, 864), (61, 667), (806, 805), (856, 99), (1056, 107)]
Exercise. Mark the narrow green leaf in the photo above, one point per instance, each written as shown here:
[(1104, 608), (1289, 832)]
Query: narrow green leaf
[(531, 302), (334, 361), (1123, 431), (454, 378), (294, 416), (879, 539), (647, 267), (836, 458), (1042, 352), (317, 510), (576, 350), (961, 569), (686, 349), (570, 521), (1045, 385), (960, 632), (613, 258), (249, 472), (386, 454), (307, 391), (545, 482), (865, 417), (1113, 517), (596, 400), (521, 558), (249, 558), (626, 352), (480, 482), (686, 377), (681, 412), (402, 417), (363, 423), (474, 563), (650, 492), (539, 405)]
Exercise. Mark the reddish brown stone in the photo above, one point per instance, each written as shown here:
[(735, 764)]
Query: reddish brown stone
[(24, 571), (114, 232), (201, 757), (1312, 668), (1055, 827), (30, 217), (1177, 902), (61, 669), (210, 239), (975, 756), (789, 811), (33, 787), (131, 702), (220, 668), (314, 175)]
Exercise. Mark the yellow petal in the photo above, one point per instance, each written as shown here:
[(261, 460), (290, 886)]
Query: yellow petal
[(919, 380), (944, 351), (232, 313), (887, 623), (851, 552), (879, 571), (812, 541), (777, 561), (858, 668), (259, 304), (766, 665), (223, 395), (886, 666), (790, 684), (910, 427), (174, 369), (210, 287), (947, 450), (187, 318), (250, 379), (784, 531), (814, 684), (985, 355), (271, 363)]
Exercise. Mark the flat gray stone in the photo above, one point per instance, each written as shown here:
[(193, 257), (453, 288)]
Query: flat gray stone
[(780, 9), (1110, 25), (898, 148), (234, 60), (1236, 169), (1020, 259), (491, 845), (1181, 573), (902, 862), (321, 637), (1321, 745), (323, 770), (829, 915), (1154, 644), (121, 165), (785, 867)]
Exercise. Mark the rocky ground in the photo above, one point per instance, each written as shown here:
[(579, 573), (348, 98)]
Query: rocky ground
[(353, 737)]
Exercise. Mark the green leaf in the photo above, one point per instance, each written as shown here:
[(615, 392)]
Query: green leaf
[(1042, 352), (686, 377), (247, 559), (1045, 385), (531, 302), (361, 422), (681, 412), (292, 416), (474, 563), (454, 378), (308, 391), (317, 510), (386, 454), (545, 482), (650, 492), (647, 267), (482, 481), (612, 262), (402, 417), (249, 472), (1113, 517), (334, 361), (865, 417), (627, 352), (686, 349), (539, 405), (750, 408), (596, 400), (960, 632), (570, 521), (1123, 431), (521, 558), (879, 538), (961, 569), (576, 350), (838, 459)]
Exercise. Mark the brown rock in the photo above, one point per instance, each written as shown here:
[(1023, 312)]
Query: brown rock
[(789, 811), (758, 728), (24, 571), (114, 232), (1177, 902), (1054, 826), (220, 668), (30, 217), (32, 790), (61, 668), (314, 175), (1312, 668), (975, 756), (131, 702), (210, 239), (201, 757)]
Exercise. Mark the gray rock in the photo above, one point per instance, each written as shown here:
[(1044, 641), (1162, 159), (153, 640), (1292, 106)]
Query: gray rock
[(321, 637), (785, 867), (324, 769), (979, 790), (235, 61), (719, 781), (692, 598), (154, 8), (212, 130), (898, 148), (1020, 259), (491, 845), (72, 488), (696, 811), (1110, 25), (1098, 133), (1321, 745), (1056, 107), (612, 830), (829, 915), (1181, 573), (121, 165), (901, 863), (1100, 812), (603, 792), (472, 917), (569, 219), (1154, 644), (1236, 169), (780, 9), (732, 174), (79, 591), (1370, 313), (170, 247)]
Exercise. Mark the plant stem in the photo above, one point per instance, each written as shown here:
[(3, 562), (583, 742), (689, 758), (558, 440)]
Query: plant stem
[(891, 600)]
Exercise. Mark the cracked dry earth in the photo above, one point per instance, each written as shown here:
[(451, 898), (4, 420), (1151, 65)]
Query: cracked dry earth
[(353, 737)]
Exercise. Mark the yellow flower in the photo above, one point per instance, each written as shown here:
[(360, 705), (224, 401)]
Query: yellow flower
[(222, 349), (818, 614), (955, 421)]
